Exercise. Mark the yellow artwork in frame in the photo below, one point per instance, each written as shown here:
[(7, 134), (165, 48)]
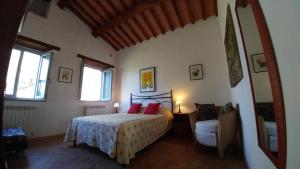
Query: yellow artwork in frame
[(147, 80)]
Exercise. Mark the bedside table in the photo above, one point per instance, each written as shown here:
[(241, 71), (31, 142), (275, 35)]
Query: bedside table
[(181, 126)]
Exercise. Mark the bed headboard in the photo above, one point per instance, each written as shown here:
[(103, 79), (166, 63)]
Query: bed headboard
[(160, 98)]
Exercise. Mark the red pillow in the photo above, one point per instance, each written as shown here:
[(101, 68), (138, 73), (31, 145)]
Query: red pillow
[(152, 108), (135, 108)]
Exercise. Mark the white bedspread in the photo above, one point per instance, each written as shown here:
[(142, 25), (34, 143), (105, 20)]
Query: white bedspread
[(119, 135)]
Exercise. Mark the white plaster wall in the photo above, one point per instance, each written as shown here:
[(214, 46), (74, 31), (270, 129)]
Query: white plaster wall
[(172, 54), (282, 18), (260, 81), (63, 29)]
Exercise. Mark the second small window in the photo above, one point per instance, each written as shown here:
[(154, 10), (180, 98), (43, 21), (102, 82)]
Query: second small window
[(96, 84)]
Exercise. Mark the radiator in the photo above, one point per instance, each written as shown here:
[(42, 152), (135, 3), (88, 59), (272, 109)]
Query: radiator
[(94, 110), (18, 116)]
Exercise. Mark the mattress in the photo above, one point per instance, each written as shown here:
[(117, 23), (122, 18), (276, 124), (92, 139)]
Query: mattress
[(119, 135)]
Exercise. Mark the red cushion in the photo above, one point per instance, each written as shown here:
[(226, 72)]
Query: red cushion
[(135, 108), (152, 108)]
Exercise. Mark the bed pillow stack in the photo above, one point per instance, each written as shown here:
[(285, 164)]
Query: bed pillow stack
[(135, 108), (152, 108)]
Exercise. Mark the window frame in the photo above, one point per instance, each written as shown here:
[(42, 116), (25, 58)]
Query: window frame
[(23, 49), (102, 82), (46, 12)]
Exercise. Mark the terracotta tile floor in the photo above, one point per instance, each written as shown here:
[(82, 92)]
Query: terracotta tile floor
[(166, 153)]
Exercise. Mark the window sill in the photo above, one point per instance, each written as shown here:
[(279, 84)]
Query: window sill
[(24, 100), (94, 101)]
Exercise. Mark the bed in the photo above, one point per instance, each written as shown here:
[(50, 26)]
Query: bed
[(122, 135)]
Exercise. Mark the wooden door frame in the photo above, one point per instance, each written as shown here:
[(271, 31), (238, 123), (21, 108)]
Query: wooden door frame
[(11, 13)]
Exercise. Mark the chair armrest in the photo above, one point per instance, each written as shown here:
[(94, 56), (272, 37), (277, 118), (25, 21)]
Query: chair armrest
[(227, 124), (193, 119), (227, 130)]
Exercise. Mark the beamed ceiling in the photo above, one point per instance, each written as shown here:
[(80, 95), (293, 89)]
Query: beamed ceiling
[(123, 23)]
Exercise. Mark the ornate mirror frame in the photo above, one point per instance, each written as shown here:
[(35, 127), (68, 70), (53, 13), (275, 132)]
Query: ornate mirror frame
[(280, 160)]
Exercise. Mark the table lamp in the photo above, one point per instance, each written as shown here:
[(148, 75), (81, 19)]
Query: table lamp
[(116, 106), (178, 102)]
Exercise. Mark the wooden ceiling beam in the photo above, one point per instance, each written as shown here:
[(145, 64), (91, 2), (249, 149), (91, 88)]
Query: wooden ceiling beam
[(140, 27), (136, 30), (63, 3), (210, 8), (108, 39), (128, 34), (127, 3), (109, 8), (153, 23), (105, 11), (216, 7), (183, 11), (101, 10), (195, 10), (82, 16), (117, 38), (166, 17), (113, 38), (148, 24), (80, 8), (154, 14), (172, 14), (123, 36), (119, 5), (110, 42), (161, 17), (177, 13), (144, 24), (124, 26), (113, 7), (94, 10), (123, 23), (128, 14), (203, 9)]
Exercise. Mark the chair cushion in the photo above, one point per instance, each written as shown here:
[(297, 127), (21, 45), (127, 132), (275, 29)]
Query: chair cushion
[(206, 111), (271, 128), (273, 144), (207, 139), (209, 126)]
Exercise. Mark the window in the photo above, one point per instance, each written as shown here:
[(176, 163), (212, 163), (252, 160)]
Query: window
[(40, 7), (96, 84), (27, 74)]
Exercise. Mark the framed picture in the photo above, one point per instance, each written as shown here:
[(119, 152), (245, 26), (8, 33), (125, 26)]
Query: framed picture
[(259, 63), (65, 75), (196, 72), (232, 51), (147, 80)]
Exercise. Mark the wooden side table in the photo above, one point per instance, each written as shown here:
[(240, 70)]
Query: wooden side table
[(181, 126)]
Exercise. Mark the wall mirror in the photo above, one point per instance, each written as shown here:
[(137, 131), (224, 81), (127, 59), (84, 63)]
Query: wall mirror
[(265, 81)]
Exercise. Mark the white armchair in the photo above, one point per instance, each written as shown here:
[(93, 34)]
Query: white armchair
[(216, 133)]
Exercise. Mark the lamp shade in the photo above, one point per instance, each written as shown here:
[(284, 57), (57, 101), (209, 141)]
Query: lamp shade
[(178, 102), (116, 105)]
